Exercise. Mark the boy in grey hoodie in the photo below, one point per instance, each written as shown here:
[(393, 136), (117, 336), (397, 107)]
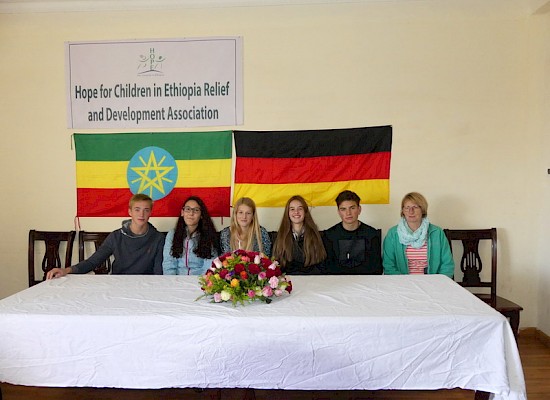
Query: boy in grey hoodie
[(137, 246)]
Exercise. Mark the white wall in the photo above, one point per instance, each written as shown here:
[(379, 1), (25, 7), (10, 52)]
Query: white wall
[(540, 86), (457, 80)]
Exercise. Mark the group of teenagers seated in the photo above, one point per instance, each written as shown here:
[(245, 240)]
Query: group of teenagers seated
[(413, 246)]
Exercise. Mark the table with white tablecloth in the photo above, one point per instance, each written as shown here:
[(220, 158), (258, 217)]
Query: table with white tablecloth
[(331, 333)]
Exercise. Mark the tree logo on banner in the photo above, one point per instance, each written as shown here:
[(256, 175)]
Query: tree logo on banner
[(153, 171)]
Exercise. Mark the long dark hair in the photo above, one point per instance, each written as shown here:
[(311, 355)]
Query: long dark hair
[(207, 237), (314, 251)]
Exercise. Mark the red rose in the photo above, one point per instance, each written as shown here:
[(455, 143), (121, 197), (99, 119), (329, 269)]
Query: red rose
[(266, 262), (269, 273), (243, 275), (254, 269), (239, 268), (223, 273), (277, 271), (289, 287)]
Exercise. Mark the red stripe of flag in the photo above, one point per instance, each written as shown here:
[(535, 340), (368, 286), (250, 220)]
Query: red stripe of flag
[(313, 169), (114, 202)]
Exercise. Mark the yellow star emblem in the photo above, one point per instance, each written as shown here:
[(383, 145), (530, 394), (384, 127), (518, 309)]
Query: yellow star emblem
[(152, 174)]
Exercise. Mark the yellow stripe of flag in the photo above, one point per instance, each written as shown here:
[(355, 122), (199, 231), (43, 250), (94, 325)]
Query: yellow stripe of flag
[(372, 191), (191, 173)]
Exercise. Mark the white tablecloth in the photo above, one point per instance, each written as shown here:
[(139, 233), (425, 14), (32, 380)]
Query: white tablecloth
[(332, 333)]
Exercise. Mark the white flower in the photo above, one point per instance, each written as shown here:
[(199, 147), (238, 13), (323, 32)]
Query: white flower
[(217, 262), (225, 295), (257, 259)]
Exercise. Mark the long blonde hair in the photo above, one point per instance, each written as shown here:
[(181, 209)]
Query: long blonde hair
[(253, 231), (314, 250)]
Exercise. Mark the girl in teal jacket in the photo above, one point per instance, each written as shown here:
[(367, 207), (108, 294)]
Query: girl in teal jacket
[(415, 244)]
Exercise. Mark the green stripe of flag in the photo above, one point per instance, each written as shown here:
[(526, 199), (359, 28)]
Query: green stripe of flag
[(182, 145)]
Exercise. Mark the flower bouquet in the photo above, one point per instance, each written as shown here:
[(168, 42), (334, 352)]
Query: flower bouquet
[(244, 276)]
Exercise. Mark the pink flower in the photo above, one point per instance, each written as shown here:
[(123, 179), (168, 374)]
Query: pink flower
[(251, 293), (267, 291), (217, 263), (217, 297), (278, 292), (262, 275), (273, 282), (245, 259)]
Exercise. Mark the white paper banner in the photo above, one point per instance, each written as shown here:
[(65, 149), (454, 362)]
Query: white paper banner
[(154, 83)]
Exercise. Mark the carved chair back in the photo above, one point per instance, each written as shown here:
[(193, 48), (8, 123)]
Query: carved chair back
[(96, 239), (471, 263), (52, 245)]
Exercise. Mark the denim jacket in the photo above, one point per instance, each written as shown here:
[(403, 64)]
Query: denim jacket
[(189, 263)]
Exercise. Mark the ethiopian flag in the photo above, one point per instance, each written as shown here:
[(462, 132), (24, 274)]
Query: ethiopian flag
[(168, 167), (273, 166)]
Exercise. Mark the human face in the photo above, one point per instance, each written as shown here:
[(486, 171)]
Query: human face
[(244, 216), (349, 213), (191, 213), (296, 212), (140, 212), (412, 213)]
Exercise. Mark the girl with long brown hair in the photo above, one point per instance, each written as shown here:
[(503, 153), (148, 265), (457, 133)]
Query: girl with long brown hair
[(298, 247)]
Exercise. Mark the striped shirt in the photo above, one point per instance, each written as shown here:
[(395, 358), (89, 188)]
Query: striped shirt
[(417, 259)]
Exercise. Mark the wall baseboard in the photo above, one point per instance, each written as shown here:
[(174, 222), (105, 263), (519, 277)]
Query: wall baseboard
[(537, 334)]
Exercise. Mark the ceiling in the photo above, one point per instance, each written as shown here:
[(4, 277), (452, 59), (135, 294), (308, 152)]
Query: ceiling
[(22, 6), (44, 6)]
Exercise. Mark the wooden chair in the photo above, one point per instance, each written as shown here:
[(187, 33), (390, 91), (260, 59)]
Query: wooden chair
[(97, 238), (51, 257), (471, 266)]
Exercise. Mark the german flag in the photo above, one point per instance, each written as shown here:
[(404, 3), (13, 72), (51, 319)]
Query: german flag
[(168, 167), (273, 166)]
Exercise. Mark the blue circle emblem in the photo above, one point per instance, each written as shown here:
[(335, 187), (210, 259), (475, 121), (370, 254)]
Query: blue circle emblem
[(152, 171)]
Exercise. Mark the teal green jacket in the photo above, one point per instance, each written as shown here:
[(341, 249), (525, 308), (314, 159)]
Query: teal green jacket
[(440, 258)]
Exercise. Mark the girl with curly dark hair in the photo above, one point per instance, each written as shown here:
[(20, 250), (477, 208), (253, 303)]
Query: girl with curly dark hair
[(192, 245)]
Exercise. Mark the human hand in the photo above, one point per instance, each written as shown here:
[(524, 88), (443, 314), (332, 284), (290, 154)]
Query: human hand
[(56, 273)]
